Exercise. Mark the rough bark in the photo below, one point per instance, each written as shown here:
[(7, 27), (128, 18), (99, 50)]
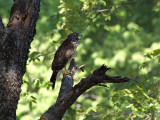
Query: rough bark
[(3, 33), (15, 43), (69, 94)]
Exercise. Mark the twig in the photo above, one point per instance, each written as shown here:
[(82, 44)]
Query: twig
[(146, 117), (130, 115), (110, 8), (81, 67), (135, 81), (40, 55)]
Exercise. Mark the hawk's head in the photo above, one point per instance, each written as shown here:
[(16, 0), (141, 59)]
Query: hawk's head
[(74, 36)]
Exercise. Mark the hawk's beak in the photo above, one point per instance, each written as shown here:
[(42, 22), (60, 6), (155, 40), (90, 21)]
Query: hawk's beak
[(79, 36)]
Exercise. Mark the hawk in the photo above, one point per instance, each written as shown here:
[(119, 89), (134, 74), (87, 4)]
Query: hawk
[(63, 55)]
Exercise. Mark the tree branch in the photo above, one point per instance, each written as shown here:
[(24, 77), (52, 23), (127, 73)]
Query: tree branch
[(68, 94), (110, 8)]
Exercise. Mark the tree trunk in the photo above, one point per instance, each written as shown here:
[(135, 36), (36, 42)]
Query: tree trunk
[(15, 43)]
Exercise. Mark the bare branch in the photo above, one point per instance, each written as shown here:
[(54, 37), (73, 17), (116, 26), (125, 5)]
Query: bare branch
[(69, 94)]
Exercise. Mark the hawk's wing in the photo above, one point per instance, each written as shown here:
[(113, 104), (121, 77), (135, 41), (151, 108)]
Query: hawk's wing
[(63, 55)]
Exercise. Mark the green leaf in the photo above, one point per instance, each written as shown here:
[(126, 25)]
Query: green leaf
[(148, 55), (24, 81), (34, 54), (34, 101), (93, 109), (33, 97), (38, 59), (144, 65), (30, 105), (156, 52)]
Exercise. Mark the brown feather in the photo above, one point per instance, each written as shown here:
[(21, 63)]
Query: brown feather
[(64, 53)]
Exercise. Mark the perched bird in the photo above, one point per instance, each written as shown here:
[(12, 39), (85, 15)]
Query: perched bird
[(63, 54)]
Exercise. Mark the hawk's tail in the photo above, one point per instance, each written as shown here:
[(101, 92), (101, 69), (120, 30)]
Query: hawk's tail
[(53, 78)]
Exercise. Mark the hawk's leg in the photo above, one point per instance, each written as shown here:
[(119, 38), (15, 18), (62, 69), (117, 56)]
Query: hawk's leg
[(66, 72)]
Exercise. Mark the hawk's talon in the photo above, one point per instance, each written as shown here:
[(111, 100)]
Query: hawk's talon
[(67, 72)]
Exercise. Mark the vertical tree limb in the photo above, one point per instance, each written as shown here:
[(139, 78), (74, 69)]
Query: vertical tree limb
[(14, 55), (3, 34)]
